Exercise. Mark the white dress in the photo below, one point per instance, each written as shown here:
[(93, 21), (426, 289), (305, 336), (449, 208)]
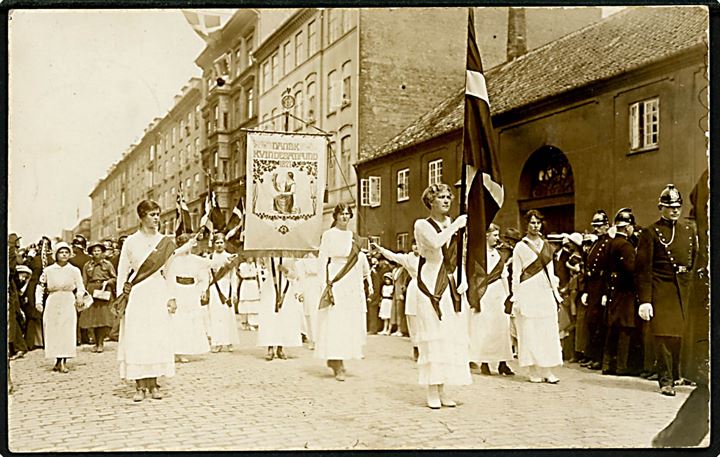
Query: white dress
[(535, 311), (282, 328), (249, 296), (309, 283), (189, 335), (386, 302), (223, 326), (410, 262), (341, 327), (490, 340), (145, 347), (442, 343), (59, 315)]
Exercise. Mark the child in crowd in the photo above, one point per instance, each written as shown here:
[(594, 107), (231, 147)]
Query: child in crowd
[(386, 302)]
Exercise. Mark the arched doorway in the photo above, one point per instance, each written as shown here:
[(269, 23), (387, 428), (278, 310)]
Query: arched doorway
[(547, 184)]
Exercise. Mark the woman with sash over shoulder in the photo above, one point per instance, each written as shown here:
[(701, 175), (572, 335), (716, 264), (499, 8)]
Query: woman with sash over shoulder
[(442, 333), (280, 314), (145, 347), (535, 303), (65, 288), (340, 319)]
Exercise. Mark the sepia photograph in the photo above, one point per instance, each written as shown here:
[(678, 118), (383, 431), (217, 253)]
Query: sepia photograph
[(348, 228)]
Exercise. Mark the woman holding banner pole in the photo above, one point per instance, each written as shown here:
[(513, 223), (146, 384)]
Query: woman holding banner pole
[(145, 347), (442, 329), (341, 315)]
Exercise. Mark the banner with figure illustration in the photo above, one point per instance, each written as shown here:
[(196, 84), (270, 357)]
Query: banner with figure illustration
[(285, 187)]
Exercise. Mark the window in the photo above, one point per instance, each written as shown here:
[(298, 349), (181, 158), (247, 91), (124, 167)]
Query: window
[(197, 183), (312, 38), (403, 185), (182, 127), (644, 124), (238, 62), (275, 59), (374, 239), (331, 165), (287, 58), (197, 148), (266, 122), (346, 159), (346, 84), (403, 241), (174, 135), (249, 104), (332, 90), (275, 119), (216, 117), (266, 82), (311, 99), (249, 44), (189, 123), (374, 191), (299, 48), (188, 188), (225, 120), (197, 116), (224, 170), (298, 109), (122, 198), (435, 172), (152, 152), (364, 192), (333, 25), (237, 106)]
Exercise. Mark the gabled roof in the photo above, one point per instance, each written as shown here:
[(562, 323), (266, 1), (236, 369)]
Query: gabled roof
[(625, 41)]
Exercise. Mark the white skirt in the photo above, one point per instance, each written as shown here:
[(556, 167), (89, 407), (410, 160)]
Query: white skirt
[(490, 340), (59, 325), (538, 341), (282, 328), (249, 297), (223, 326), (385, 308), (189, 335)]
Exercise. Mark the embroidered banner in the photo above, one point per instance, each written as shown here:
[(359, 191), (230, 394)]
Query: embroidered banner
[(286, 182)]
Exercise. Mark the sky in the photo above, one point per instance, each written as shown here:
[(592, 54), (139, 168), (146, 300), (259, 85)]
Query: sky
[(83, 86)]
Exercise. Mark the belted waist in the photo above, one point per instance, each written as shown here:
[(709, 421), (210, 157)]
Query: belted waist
[(248, 278), (185, 281)]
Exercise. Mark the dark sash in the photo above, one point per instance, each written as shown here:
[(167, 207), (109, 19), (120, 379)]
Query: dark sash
[(444, 278), (154, 262), (226, 268), (544, 257), (215, 278), (494, 275), (327, 299), (279, 291)]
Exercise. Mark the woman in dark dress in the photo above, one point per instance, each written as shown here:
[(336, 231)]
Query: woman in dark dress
[(99, 277)]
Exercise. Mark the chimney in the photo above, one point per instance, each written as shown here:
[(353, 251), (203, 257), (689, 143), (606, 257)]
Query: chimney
[(516, 41)]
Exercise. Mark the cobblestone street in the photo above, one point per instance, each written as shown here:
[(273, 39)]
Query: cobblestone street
[(239, 401)]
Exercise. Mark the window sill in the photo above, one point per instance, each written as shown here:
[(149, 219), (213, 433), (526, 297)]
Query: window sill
[(345, 105), (404, 199), (641, 150), (331, 113)]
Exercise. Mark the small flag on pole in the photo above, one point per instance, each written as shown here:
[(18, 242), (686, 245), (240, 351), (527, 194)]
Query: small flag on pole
[(237, 219), (183, 222), (485, 195), (213, 219), (207, 23)]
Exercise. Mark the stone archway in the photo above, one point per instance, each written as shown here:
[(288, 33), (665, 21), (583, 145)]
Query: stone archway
[(547, 184)]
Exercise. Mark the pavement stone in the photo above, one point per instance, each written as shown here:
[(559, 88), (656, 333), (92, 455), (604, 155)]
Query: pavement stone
[(240, 401)]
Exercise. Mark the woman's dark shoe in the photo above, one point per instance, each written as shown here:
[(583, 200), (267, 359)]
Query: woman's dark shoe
[(281, 355), (505, 370), (485, 369), (270, 355), (667, 390)]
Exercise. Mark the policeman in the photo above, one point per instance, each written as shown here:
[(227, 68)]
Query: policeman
[(594, 297), (663, 275), (621, 295)]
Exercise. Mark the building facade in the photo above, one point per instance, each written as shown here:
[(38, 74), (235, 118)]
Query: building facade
[(613, 123)]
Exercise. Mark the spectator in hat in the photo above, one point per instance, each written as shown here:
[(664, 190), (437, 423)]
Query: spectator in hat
[(663, 274), (78, 260), (386, 302), (34, 318), (100, 278), (16, 316), (65, 288), (621, 296)]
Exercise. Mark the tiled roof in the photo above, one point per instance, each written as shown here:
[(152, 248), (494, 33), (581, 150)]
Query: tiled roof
[(622, 42)]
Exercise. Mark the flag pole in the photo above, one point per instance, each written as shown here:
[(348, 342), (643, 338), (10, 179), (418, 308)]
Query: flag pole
[(463, 174)]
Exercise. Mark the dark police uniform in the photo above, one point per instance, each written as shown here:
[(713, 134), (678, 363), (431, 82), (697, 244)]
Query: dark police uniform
[(664, 267), (596, 279)]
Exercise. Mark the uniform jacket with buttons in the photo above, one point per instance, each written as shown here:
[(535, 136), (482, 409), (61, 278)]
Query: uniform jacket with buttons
[(596, 270), (664, 267), (621, 283)]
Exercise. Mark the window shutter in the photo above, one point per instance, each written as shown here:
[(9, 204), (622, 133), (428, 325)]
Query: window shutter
[(364, 192), (635, 126), (374, 191)]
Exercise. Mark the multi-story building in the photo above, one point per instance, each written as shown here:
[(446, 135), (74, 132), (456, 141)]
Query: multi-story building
[(165, 159), (229, 101), (620, 115), (360, 75)]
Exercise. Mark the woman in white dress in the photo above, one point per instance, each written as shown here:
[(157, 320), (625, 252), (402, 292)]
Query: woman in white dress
[(145, 347), (222, 296), (249, 295), (441, 311), (187, 276), (490, 340), (410, 262), (60, 317), (309, 283), (535, 303), (280, 324), (341, 325)]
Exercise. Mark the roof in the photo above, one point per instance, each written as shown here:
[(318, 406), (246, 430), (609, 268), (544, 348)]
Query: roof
[(622, 42)]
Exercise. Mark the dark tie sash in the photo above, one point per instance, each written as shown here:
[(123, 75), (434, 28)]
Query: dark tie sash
[(444, 278)]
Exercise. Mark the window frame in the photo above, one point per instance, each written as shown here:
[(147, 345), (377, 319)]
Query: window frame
[(640, 122), (438, 179), (402, 241), (364, 192), (403, 185), (375, 191)]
